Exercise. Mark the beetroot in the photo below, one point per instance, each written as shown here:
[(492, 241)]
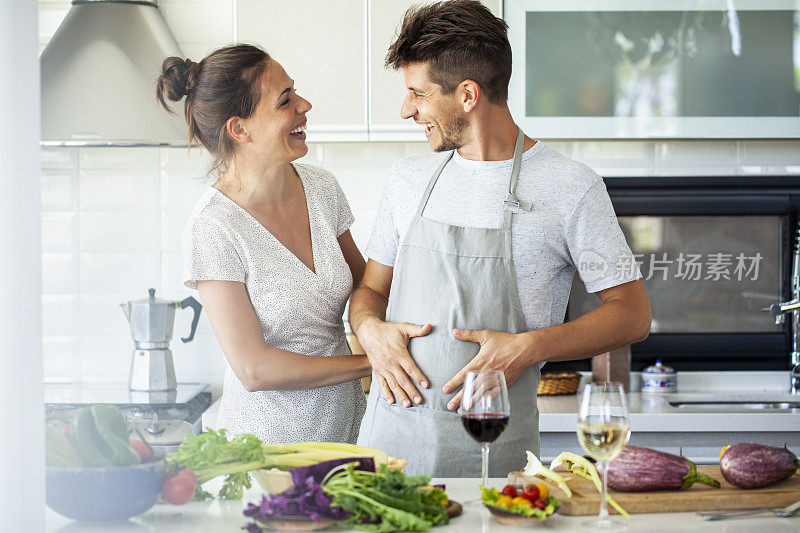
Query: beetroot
[(757, 465), (638, 469)]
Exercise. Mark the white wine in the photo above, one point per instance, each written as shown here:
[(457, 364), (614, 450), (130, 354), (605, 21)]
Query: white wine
[(603, 441)]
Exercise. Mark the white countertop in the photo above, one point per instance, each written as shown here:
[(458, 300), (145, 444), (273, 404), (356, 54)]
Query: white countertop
[(656, 413), (227, 516)]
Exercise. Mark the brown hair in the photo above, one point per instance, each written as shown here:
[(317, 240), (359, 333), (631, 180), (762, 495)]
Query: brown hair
[(459, 40), (225, 84)]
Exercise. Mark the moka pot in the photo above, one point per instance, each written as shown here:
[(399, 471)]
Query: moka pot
[(151, 320)]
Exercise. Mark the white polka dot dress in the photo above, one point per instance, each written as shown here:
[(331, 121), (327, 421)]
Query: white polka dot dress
[(298, 310)]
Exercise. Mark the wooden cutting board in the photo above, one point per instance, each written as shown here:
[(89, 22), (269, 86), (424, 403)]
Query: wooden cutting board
[(586, 499)]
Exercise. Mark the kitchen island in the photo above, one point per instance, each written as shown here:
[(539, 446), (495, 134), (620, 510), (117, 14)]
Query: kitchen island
[(226, 516)]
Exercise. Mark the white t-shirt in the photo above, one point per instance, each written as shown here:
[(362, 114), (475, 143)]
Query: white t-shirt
[(572, 226), (298, 310)]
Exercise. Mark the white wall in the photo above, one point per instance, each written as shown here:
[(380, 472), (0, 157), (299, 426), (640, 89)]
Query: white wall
[(112, 218), (22, 446)]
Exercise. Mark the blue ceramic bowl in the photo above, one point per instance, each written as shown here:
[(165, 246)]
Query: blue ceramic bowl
[(104, 493)]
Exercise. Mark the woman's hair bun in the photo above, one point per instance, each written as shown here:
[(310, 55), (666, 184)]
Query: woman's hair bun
[(178, 78)]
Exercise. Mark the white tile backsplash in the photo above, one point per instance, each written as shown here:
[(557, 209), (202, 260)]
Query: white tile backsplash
[(59, 158), (128, 189), (60, 314), (59, 232), (181, 189), (59, 190), (119, 273), (62, 357), (101, 314), (105, 358), (60, 273), (119, 231), (690, 158)]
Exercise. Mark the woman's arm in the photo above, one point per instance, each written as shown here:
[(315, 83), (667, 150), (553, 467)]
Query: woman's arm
[(258, 366), (353, 257)]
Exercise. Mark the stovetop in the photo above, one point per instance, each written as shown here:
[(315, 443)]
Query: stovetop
[(118, 394), (187, 402)]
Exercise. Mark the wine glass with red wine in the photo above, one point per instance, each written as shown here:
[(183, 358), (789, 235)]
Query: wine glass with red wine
[(485, 410)]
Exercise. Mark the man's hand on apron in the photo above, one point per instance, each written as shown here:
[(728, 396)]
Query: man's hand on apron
[(386, 344), (499, 351)]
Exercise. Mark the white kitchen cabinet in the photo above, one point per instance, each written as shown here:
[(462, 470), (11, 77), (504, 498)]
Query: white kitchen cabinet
[(387, 89), (322, 46)]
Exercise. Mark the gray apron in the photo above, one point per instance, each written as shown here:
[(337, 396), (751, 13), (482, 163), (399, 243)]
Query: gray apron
[(454, 277)]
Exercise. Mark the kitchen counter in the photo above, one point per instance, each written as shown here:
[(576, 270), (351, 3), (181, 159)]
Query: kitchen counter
[(227, 516), (695, 432)]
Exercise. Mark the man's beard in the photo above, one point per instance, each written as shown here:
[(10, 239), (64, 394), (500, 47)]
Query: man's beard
[(451, 131)]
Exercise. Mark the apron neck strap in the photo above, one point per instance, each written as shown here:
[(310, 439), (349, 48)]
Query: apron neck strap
[(427, 194), (512, 204)]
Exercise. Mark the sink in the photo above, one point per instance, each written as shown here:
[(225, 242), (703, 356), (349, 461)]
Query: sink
[(737, 406)]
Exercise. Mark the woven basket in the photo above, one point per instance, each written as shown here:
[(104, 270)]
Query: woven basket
[(555, 383)]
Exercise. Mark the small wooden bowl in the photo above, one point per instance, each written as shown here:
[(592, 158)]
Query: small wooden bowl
[(507, 518)]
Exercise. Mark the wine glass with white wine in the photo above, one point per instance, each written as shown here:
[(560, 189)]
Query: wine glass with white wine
[(603, 430)]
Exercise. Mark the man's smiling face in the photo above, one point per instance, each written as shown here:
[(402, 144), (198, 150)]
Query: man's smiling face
[(441, 116)]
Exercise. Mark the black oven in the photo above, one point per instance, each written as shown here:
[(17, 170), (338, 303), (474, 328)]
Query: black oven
[(714, 253)]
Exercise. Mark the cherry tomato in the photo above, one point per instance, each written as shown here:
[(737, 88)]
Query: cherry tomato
[(509, 490), (531, 492), (505, 502), (540, 504), (544, 492), (520, 501), (142, 449), (179, 489)]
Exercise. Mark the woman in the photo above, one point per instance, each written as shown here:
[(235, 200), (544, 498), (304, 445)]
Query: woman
[(269, 250)]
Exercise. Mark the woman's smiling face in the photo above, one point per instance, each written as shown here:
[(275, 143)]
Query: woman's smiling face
[(277, 126)]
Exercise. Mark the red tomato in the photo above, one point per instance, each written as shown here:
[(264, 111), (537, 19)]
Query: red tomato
[(531, 493), (509, 490), (540, 504), (142, 449), (65, 430), (179, 488)]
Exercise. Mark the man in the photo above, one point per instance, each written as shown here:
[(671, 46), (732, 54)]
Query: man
[(473, 253)]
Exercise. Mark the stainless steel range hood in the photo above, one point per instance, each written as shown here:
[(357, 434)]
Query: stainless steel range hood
[(98, 76)]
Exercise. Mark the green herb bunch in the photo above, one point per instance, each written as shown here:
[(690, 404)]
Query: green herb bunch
[(386, 501)]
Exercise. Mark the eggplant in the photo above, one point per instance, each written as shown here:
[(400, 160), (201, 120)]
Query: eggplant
[(638, 469), (750, 466)]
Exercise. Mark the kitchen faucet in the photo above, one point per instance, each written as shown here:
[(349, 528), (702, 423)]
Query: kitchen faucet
[(779, 311)]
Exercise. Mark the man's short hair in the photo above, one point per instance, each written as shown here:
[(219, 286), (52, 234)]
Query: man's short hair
[(459, 40)]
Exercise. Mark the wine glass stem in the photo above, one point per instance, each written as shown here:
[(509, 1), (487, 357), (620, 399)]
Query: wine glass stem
[(602, 467), (484, 463)]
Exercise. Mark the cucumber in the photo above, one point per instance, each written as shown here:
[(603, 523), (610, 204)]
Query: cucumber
[(111, 427), (84, 436), (59, 451)]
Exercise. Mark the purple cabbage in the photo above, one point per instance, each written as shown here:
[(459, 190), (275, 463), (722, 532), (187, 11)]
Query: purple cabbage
[(302, 499), (305, 497)]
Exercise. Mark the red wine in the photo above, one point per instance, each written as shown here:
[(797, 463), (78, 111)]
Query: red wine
[(485, 427)]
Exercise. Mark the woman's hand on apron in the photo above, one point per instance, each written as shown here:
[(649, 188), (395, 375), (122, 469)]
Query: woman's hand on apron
[(386, 344), (511, 353)]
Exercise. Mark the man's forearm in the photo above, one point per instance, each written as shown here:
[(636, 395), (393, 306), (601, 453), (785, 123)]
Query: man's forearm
[(366, 304), (613, 324)]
